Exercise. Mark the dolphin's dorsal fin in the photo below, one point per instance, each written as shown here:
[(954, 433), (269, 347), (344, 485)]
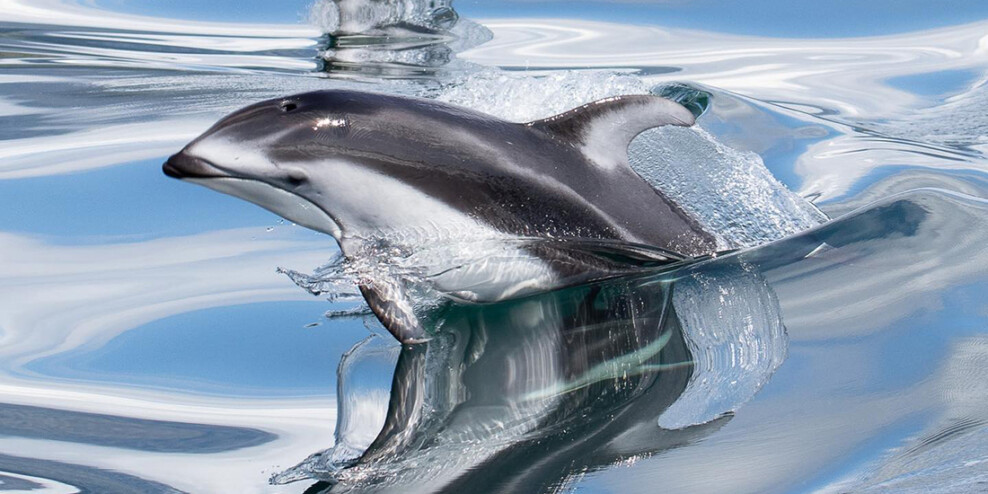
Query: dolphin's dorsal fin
[(603, 129)]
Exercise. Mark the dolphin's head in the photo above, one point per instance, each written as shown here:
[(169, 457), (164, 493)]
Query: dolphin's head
[(296, 156)]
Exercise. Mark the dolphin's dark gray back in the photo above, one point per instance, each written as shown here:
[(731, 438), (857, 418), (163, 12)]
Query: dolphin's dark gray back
[(530, 180)]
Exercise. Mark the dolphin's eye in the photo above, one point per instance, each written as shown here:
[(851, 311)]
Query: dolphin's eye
[(296, 176), (288, 106)]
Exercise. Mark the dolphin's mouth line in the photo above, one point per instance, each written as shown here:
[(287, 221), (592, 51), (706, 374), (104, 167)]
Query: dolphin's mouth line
[(198, 170), (183, 166)]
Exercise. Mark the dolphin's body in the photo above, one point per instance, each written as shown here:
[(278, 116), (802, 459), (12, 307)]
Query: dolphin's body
[(373, 169)]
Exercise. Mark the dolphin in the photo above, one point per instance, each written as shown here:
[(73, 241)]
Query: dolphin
[(382, 173)]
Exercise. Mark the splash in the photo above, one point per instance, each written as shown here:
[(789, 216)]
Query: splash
[(733, 326), (335, 279), (729, 191), (368, 38), (370, 17), (428, 270), (532, 97)]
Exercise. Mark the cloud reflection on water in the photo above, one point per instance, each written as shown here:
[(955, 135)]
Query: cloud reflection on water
[(117, 88), (94, 292), (833, 84), (843, 75)]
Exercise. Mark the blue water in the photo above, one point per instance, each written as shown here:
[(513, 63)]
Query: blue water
[(127, 202), (271, 350), (150, 340), (937, 84)]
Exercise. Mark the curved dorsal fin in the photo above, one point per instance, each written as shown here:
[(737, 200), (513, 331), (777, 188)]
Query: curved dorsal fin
[(603, 129)]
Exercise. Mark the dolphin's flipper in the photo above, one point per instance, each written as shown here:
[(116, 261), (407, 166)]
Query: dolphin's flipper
[(605, 128), (391, 305)]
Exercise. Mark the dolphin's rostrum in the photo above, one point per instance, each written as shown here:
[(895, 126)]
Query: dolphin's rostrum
[(369, 168)]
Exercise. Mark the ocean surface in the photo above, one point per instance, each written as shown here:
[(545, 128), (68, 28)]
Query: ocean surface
[(156, 336)]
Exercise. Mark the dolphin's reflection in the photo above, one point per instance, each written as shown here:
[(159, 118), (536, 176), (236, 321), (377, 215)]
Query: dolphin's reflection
[(522, 395)]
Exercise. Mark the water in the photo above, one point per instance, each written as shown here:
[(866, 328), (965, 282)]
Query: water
[(151, 340)]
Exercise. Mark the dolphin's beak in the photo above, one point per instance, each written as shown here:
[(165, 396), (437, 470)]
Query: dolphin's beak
[(183, 165)]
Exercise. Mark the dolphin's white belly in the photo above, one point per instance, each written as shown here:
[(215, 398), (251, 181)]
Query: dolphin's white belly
[(483, 270), (498, 276), (427, 240)]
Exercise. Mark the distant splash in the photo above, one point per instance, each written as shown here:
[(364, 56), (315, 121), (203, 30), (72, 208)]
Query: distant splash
[(532, 95), (410, 38), (380, 18)]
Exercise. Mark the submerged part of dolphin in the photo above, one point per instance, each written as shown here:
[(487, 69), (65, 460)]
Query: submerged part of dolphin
[(517, 396), (383, 173), (522, 395)]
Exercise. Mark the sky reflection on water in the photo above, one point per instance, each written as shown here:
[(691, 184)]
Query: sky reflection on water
[(100, 255)]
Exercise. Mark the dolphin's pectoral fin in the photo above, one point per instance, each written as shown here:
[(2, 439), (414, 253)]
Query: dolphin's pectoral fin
[(605, 128), (395, 311)]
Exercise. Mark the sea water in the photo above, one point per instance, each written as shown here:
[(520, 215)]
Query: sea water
[(160, 337)]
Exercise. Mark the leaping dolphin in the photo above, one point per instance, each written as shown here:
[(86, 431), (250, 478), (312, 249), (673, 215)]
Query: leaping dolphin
[(366, 167)]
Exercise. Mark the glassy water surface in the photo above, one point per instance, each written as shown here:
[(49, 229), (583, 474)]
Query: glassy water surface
[(160, 337)]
